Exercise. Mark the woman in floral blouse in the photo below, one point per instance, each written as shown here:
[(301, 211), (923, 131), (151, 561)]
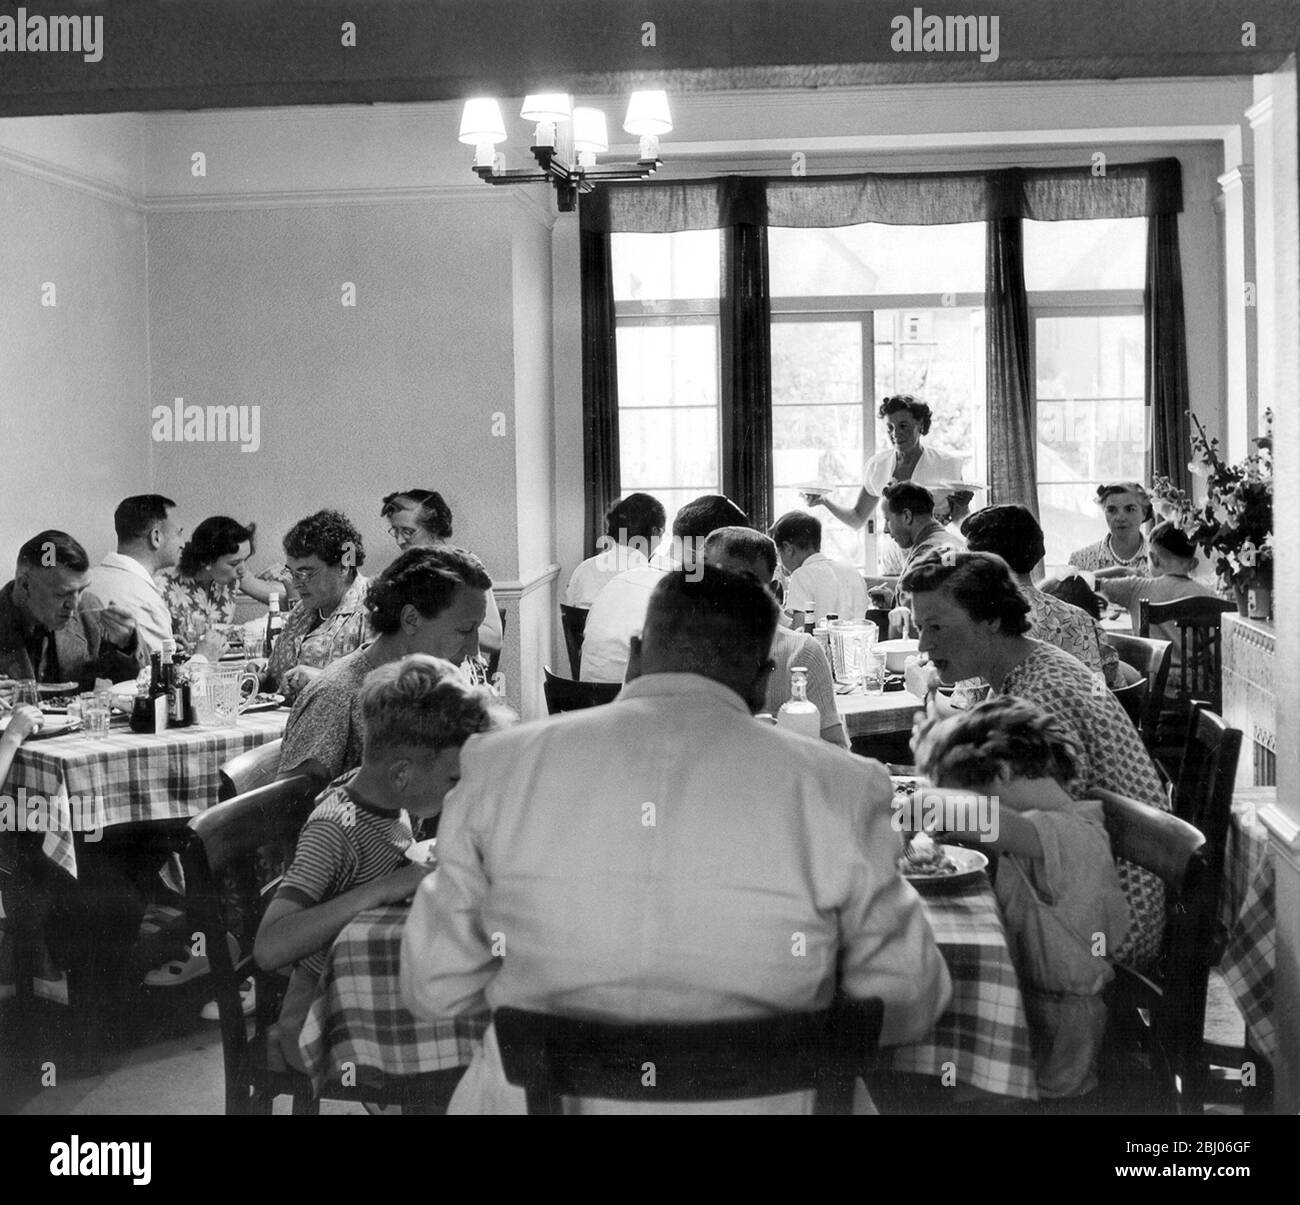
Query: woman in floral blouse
[(202, 590), (1126, 507), (974, 622), (324, 554)]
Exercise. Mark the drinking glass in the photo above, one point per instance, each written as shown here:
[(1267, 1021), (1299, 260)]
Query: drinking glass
[(96, 710), (25, 692), (873, 674)]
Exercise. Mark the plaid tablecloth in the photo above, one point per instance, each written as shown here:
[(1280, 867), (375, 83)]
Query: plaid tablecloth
[(85, 783), (1248, 962), (358, 1023), (875, 715), (981, 1042), (1247, 847)]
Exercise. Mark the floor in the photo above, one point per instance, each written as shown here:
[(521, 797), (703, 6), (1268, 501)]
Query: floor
[(174, 1064)]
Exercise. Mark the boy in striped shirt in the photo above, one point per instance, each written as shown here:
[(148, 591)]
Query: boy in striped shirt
[(352, 852)]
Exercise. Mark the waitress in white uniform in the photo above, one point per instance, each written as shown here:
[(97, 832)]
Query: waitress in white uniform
[(907, 459)]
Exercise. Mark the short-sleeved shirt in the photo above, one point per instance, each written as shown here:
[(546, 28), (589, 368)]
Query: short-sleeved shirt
[(345, 843), (790, 648), (326, 721), (1111, 757), (833, 587), (1102, 556), (615, 617), (933, 467), (596, 572), (309, 640)]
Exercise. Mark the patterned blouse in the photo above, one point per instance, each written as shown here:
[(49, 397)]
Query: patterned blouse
[(187, 598), (1111, 757), (308, 639), (1102, 556)]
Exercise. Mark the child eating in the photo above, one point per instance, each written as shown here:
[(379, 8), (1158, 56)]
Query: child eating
[(351, 854), (1061, 898)]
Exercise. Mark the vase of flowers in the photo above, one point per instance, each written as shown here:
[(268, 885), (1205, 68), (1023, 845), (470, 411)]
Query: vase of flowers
[(1233, 526)]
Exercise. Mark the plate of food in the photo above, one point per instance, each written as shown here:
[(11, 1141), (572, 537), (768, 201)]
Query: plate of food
[(264, 701), (932, 866)]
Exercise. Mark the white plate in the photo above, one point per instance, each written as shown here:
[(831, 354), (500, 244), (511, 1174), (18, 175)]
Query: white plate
[(970, 865), (55, 725), (422, 852), (959, 487), (820, 490)]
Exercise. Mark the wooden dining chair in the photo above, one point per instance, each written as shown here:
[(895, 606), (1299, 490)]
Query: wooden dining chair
[(494, 657), (564, 694), (1199, 621), (552, 1057), (1150, 657), (574, 622), (249, 770), (1161, 1015)]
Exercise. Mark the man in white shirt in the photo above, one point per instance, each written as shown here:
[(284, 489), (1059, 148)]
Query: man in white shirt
[(148, 539), (619, 610), (667, 858), (744, 550), (633, 528), (833, 587)]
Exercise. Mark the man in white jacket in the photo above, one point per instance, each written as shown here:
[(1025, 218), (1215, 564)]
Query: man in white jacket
[(667, 857)]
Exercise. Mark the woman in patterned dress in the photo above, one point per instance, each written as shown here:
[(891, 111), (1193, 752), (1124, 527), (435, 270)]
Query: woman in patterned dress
[(202, 590), (324, 554), (973, 621), (1126, 507)]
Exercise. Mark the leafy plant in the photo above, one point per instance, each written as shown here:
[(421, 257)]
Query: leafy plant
[(1234, 525)]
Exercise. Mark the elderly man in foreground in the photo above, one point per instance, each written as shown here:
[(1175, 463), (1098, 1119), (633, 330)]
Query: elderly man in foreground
[(667, 857)]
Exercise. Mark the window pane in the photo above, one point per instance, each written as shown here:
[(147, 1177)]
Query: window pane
[(662, 448), (1109, 253), (1091, 420), (938, 356), (659, 267), (875, 258), (667, 365)]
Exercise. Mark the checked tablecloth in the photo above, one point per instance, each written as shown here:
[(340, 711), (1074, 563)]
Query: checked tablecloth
[(89, 782), (1249, 960), (358, 1017)]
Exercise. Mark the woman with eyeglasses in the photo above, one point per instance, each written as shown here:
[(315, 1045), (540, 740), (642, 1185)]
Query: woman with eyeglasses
[(324, 555), (422, 519)]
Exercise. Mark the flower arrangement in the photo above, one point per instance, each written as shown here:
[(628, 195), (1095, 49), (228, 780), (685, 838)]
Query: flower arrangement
[(1234, 525)]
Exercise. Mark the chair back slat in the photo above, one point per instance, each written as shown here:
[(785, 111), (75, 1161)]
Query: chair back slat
[(564, 694), (552, 1057), (574, 622)]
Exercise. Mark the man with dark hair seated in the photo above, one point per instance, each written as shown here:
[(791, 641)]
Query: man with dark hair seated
[(53, 630), (633, 528), (909, 514), (834, 587), (658, 859), (619, 610)]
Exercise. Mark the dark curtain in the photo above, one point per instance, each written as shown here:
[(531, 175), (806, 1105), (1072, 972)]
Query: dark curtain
[(1166, 346), (600, 454), (746, 325), (1013, 473)]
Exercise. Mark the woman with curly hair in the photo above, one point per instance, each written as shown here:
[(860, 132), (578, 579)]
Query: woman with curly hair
[(429, 600), (906, 459), (422, 519), (203, 589), (324, 554), (1126, 507)]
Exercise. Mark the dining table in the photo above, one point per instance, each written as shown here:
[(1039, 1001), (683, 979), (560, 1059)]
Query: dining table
[(358, 1025), (884, 714), (81, 783)]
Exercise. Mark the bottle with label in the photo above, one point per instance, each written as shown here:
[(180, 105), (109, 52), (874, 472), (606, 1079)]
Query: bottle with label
[(158, 691), (180, 711), (809, 617), (149, 709), (797, 713), (274, 623)]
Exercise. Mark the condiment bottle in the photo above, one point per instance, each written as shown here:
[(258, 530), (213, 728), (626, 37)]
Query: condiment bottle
[(798, 713)]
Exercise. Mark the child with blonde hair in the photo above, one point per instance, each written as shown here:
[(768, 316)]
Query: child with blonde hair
[(1056, 882)]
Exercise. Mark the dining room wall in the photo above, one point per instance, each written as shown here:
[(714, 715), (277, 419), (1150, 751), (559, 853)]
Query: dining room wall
[(373, 340), (74, 362)]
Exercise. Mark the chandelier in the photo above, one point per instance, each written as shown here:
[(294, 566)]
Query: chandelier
[(566, 141)]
